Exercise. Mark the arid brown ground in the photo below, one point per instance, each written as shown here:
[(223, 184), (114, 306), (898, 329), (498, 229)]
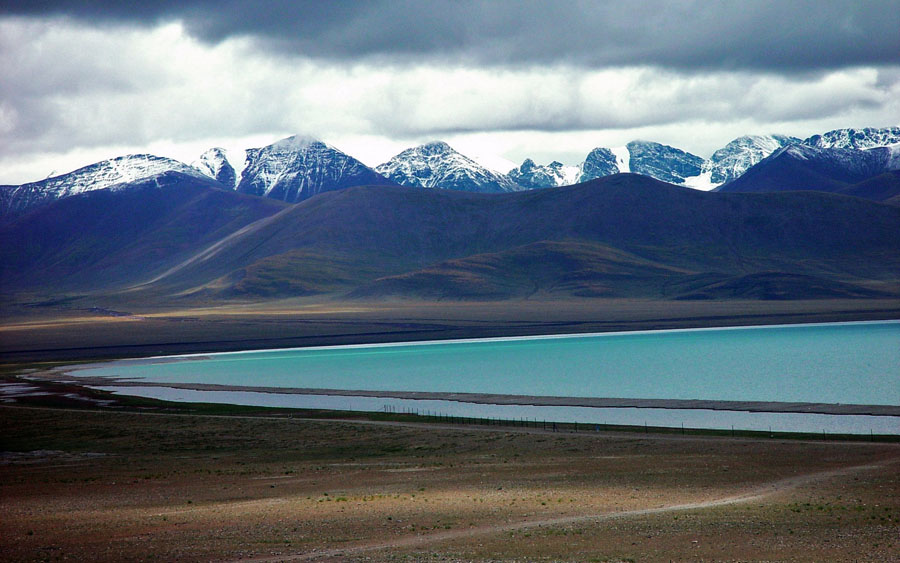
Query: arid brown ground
[(125, 486)]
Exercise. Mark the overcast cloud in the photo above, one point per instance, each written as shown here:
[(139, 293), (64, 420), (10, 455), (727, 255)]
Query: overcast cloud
[(759, 35), (498, 80)]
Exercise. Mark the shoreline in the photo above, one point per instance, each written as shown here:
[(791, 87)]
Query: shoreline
[(67, 374), (186, 332), (474, 340), (527, 400)]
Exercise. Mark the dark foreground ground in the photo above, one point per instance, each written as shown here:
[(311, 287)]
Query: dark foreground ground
[(119, 486), (56, 331)]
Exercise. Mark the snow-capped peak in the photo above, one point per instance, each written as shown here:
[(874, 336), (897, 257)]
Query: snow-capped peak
[(295, 143), (210, 161), (866, 138), (434, 148), (598, 163), (848, 163), (663, 162), (298, 167), (642, 157), (735, 158), (530, 175), (98, 176), (215, 164), (106, 173), (437, 165)]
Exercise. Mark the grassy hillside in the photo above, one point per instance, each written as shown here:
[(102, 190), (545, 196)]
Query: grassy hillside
[(111, 238), (624, 235)]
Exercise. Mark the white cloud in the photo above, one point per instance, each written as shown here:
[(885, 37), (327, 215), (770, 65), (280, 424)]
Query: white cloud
[(72, 94)]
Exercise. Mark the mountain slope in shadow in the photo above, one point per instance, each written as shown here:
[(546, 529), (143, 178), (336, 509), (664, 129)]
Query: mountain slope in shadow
[(623, 235)]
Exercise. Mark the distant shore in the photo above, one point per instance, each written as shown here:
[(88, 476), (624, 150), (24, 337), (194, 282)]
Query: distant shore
[(29, 335)]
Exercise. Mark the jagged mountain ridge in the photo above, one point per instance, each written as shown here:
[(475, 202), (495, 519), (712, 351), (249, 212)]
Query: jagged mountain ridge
[(293, 169), (663, 162), (598, 163), (866, 138), (437, 165), (656, 160), (673, 165), (532, 176)]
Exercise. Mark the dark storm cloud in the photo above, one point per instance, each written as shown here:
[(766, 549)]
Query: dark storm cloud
[(753, 35)]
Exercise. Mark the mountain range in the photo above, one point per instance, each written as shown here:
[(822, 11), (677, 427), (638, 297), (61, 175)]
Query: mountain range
[(179, 237), (300, 217), (298, 167)]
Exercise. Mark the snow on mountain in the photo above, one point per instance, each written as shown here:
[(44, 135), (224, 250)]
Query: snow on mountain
[(663, 162), (299, 167), (531, 175), (15, 200), (857, 163), (867, 138), (642, 157), (804, 167), (739, 155), (598, 163), (215, 164), (702, 181), (623, 158), (437, 165), (840, 162), (893, 156)]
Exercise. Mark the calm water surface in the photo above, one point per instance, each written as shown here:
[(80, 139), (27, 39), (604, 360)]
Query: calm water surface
[(829, 363), (673, 418)]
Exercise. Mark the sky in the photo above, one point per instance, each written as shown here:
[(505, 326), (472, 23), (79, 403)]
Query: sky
[(500, 80)]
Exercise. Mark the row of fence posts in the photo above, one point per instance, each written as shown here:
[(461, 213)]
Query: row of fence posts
[(497, 421), (531, 423)]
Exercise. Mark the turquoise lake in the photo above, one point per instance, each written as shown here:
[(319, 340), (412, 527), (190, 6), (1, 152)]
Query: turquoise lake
[(828, 363)]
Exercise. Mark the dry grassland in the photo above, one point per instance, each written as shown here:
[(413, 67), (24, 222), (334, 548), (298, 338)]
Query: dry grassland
[(117, 486)]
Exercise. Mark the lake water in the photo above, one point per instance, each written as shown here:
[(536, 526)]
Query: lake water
[(855, 363)]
